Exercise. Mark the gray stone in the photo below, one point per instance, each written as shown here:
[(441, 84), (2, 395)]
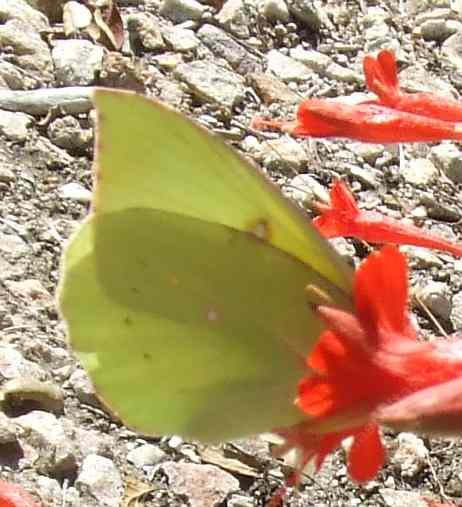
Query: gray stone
[(143, 32), (393, 498), (67, 133), (456, 312), (285, 67), (284, 154), (434, 295), (203, 485), (212, 82), (439, 210), (168, 61), (179, 11), (419, 171), (75, 192), (275, 10), (367, 151), (271, 89), (314, 60), (305, 189), (452, 49), (180, 39), (432, 15), (375, 15), (12, 246), (341, 73), (146, 455), (448, 158), (411, 455), (15, 126), (7, 174), (366, 176), (422, 258), (83, 388), (234, 17), (416, 78), (32, 52), (378, 32), (100, 479), (439, 30), (46, 442), (77, 62), (14, 365), (44, 424), (9, 431), (224, 46), (20, 9), (15, 78), (31, 290), (306, 13), (240, 501)]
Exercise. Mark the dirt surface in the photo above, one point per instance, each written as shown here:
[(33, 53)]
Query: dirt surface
[(53, 455)]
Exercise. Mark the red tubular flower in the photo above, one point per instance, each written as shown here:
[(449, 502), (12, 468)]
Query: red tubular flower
[(366, 366), (367, 122), (12, 495), (382, 78), (345, 218)]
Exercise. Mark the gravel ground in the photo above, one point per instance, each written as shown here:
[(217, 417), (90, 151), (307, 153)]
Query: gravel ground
[(220, 63)]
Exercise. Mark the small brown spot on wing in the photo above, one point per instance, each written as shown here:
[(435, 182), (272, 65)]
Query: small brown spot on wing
[(260, 228), (212, 315)]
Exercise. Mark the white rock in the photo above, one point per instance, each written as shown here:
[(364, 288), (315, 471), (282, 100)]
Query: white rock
[(33, 54), (306, 189), (203, 485), (448, 158), (314, 60), (180, 39), (419, 171), (67, 133), (75, 17), (234, 17), (146, 455), (285, 67), (100, 479), (212, 82), (393, 498), (411, 455), (75, 192), (15, 126), (76, 62), (452, 49), (20, 9), (284, 153)]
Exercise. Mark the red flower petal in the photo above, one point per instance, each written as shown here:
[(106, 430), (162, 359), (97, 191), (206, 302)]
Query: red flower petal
[(13, 495), (366, 455), (381, 293)]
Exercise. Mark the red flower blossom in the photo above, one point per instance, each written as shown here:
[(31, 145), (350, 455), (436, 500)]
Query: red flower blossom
[(344, 218), (367, 122), (382, 78), (368, 363), (12, 495)]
